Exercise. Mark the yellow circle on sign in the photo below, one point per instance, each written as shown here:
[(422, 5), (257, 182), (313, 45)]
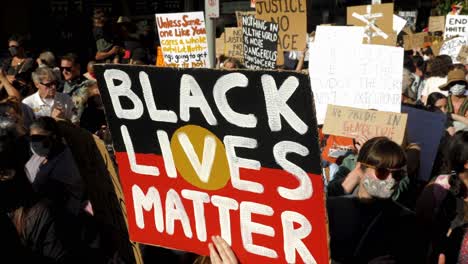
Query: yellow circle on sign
[(200, 157)]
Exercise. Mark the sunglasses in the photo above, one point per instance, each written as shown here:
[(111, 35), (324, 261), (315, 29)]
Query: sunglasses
[(50, 84), (67, 69), (383, 173), (38, 138)]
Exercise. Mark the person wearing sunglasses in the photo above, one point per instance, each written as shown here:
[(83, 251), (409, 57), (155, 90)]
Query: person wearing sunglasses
[(47, 101), (350, 173), (75, 85), (368, 226)]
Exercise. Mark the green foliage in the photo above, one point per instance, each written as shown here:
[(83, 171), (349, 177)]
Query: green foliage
[(445, 6)]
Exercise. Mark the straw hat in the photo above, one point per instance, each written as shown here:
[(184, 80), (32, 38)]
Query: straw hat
[(456, 75)]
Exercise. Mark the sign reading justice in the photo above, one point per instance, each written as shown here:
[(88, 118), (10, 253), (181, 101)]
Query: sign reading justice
[(204, 152)]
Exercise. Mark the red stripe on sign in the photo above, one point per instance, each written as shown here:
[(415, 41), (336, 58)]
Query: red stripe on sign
[(149, 228)]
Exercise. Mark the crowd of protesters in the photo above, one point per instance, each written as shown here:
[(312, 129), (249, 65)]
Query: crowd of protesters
[(378, 210)]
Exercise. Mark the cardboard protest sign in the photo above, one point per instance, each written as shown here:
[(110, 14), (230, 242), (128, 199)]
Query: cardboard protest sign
[(240, 14), (436, 23), (353, 122), (213, 152), (414, 41), (339, 34), (291, 16), (183, 39), (219, 42), (260, 43), (377, 20), (370, 77), (463, 55), (398, 24), (456, 26), (452, 48), (233, 43), (425, 129)]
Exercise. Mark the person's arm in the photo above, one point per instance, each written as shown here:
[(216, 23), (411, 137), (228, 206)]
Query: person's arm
[(460, 118), (300, 63), (344, 182), (5, 84), (102, 55), (352, 179)]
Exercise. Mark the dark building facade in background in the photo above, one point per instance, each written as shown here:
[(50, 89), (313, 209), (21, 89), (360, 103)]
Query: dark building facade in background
[(66, 25)]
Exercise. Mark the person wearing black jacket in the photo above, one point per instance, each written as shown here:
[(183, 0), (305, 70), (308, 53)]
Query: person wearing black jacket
[(368, 226), (27, 223)]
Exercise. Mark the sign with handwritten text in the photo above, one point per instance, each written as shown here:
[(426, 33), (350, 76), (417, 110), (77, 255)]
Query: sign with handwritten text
[(183, 39), (436, 23), (291, 16), (456, 26), (353, 122), (233, 43), (260, 43), (453, 47), (339, 34), (369, 78), (214, 152)]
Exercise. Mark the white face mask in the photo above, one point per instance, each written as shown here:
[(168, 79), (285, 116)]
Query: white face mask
[(379, 188), (426, 58), (458, 89)]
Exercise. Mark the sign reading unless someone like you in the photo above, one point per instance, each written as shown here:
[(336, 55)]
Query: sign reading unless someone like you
[(212, 152), (183, 39)]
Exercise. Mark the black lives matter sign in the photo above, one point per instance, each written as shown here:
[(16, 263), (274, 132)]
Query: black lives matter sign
[(205, 152), (260, 43)]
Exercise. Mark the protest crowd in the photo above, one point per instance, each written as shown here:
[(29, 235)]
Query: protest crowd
[(390, 175)]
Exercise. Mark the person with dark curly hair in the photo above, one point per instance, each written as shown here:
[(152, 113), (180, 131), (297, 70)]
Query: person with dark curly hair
[(438, 69)]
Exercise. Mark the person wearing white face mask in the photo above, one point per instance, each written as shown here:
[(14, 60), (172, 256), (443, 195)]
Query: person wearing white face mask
[(457, 102), (368, 226)]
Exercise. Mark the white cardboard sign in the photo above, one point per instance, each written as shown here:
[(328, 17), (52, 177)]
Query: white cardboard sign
[(453, 47), (339, 34), (456, 25), (360, 76), (398, 24), (183, 39)]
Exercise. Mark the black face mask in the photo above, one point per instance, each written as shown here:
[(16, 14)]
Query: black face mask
[(98, 33), (13, 51), (41, 145)]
